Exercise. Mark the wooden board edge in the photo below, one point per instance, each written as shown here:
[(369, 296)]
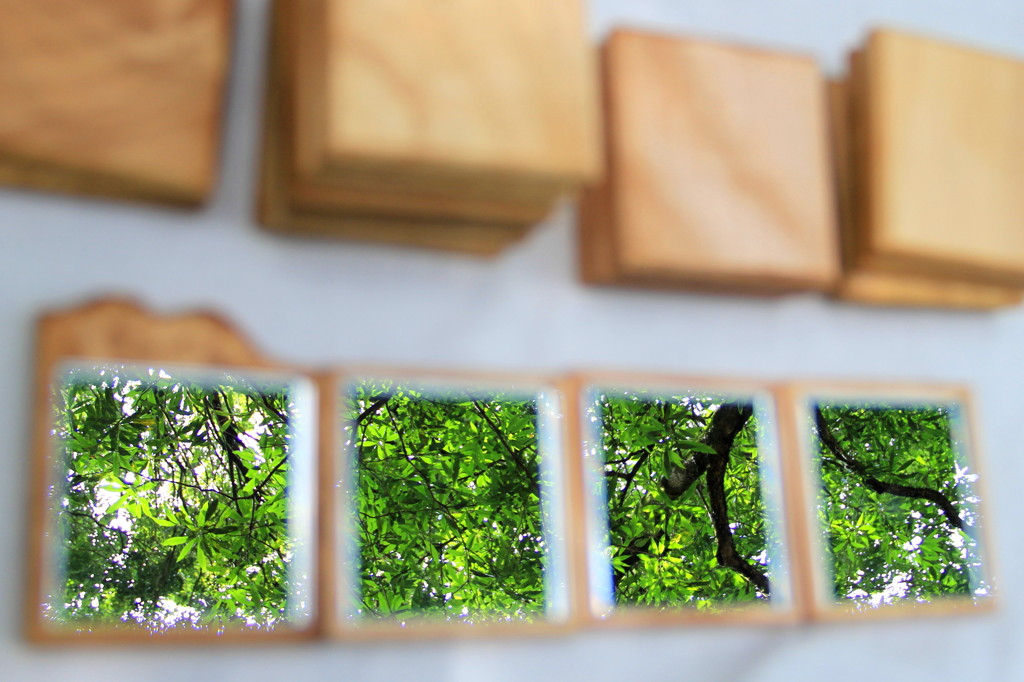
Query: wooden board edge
[(800, 522), (900, 290), (40, 176), (576, 509), (328, 522), (597, 219)]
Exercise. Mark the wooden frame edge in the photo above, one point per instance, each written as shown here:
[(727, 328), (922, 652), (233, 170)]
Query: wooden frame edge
[(432, 630), (750, 614), (116, 330), (821, 606)]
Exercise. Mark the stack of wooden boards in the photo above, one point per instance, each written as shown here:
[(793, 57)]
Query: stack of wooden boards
[(121, 98), (719, 174), (454, 124)]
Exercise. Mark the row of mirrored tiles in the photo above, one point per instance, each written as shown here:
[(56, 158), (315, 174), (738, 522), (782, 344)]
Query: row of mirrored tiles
[(196, 501)]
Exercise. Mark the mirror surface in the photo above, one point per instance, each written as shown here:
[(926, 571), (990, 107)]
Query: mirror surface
[(687, 487), (454, 504), (174, 499), (896, 501)]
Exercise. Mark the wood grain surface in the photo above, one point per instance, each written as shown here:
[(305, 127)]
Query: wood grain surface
[(473, 84), (310, 206), (944, 152), (121, 98), (718, 169), (860, 282)]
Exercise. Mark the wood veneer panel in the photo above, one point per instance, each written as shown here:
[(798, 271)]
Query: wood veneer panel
[(718, 173), (121, 98), (944, 158)]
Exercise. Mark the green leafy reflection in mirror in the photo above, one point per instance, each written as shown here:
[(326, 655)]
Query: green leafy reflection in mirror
[(174, 500), (896, 502), (688, 482), (455, 516)]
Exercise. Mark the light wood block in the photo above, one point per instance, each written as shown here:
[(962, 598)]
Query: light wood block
[(121, 98), (863, 284), (718, 170), (427, 137), (943, 159)]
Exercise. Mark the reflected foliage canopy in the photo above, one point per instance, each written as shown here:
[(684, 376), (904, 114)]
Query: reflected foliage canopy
[(448, 505), (895, 504), (172, 502), (685, 512)]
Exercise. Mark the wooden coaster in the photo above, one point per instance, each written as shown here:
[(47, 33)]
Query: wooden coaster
[(863, 284)]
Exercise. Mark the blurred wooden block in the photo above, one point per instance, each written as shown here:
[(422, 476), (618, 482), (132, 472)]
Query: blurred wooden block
[(427, 122), (718, 170), (941, 157), (121, 98), (281, 213), (864, 284)]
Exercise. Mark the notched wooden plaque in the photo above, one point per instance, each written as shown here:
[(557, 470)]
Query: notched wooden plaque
[(175, 483)]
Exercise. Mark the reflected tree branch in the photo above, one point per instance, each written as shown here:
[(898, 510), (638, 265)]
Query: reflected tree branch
[(848, 461)]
